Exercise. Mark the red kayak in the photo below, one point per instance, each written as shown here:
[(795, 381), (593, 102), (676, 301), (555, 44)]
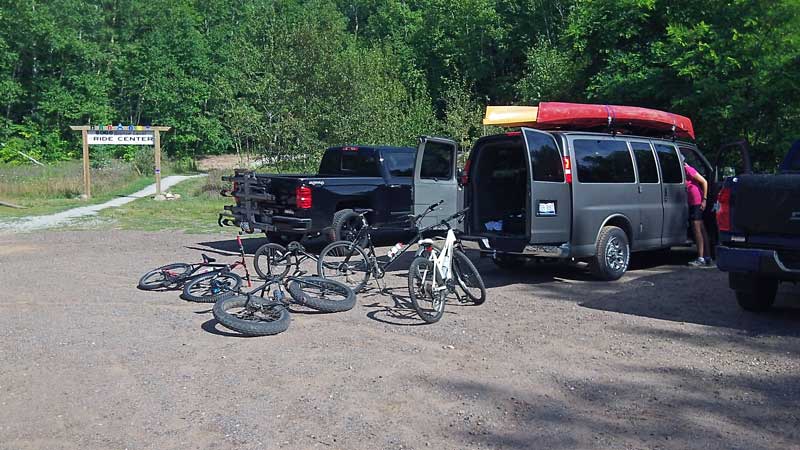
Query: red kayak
[(578, 116)]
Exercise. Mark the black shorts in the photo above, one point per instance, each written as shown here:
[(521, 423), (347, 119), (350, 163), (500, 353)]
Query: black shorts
[(695, 213)]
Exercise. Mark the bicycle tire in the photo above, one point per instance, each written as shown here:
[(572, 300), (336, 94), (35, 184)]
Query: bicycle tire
[(275, 260), (150, 280), (468, 277), (212, 286), (354, 273), (318, 293), (250, 324), (420, 290)]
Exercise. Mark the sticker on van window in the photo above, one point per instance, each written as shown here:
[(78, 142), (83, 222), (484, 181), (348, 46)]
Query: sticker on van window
[(547, 208)]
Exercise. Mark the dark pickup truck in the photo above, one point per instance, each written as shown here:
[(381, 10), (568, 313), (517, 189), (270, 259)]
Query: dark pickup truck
[(759, 232), (290, 207)]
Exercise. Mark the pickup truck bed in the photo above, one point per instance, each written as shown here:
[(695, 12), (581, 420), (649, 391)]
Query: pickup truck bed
[(760, 233), (288, 207)]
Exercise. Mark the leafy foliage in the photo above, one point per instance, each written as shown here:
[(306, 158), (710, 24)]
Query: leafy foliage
[(285, 78)]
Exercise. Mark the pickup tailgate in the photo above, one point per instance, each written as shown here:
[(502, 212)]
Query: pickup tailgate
[(767, 204)]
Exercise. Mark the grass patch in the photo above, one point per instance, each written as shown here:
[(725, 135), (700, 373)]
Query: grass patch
[(57, 187), (195, 212)]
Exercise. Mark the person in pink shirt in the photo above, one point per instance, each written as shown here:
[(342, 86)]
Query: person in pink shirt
[(697, 193)]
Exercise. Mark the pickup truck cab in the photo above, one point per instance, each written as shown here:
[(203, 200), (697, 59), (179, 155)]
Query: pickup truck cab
[(290, 207), (759, 232), (580, 195)]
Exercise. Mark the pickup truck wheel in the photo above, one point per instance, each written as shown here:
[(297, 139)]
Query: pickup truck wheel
[(760, 298), (345, 227), (613, 254)]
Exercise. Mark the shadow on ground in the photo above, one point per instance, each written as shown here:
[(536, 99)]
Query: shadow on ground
[(666, 407)]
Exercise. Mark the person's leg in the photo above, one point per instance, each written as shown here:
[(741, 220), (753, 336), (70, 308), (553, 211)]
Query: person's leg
[(699, 237), (706, 241)]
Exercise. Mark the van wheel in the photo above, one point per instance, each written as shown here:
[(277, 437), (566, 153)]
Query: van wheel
[(613, 254), (760, 298), (509, 262)]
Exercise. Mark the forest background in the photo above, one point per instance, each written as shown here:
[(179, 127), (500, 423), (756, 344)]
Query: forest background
[(287, 78)]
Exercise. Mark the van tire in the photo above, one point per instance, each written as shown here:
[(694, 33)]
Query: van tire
[(613, 254), (760, 298), (509, 262)]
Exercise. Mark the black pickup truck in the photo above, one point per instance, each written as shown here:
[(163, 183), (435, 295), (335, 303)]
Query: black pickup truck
[(291, 207), (759, 232)]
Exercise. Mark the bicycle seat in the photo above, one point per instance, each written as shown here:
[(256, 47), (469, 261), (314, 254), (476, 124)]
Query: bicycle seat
[(426, 241), (207, 259), (363, 212)]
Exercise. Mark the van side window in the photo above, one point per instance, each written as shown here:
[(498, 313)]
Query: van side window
[(645, 162), (603, 161), (437, 161), (671, 168), (545, 157)]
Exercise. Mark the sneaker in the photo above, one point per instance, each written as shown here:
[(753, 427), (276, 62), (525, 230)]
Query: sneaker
[(699, 262)]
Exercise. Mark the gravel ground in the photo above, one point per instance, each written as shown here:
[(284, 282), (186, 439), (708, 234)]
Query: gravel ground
[(661, 359)]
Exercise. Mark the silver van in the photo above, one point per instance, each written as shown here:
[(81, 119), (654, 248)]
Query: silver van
[(590, 196)]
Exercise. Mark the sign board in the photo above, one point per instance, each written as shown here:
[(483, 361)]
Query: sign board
[(95, 138)]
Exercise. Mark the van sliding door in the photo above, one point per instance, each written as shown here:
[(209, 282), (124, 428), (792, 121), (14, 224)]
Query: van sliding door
[(550, 198)]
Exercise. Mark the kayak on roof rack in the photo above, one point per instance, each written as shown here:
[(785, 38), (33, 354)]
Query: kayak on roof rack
[(586, 117)]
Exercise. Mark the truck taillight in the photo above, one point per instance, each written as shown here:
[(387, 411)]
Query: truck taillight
[(567, 170), (724, 209), (465, 173), (303, 197)]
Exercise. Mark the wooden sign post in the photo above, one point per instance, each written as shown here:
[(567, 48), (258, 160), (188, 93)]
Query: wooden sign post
[(119, 135)]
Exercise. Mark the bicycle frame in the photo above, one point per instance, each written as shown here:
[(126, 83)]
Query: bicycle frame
[(379, 268), (443, 262), (218, 267)]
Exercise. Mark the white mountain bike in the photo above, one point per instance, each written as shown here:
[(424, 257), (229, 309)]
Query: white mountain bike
[(437, 272)]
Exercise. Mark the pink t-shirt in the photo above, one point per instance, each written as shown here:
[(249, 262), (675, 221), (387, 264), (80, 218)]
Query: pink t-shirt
[(693, 189)]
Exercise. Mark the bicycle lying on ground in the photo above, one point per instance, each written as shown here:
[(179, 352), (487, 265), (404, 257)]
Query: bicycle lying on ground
[(436, 273), (254, 313), (177, 275)]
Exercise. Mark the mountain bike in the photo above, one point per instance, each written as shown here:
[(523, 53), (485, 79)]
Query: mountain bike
[(349, 263), (438, 271), (254, 313), (355, 260), (177, 275)]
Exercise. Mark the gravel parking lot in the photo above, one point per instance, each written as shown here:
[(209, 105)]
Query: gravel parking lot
[(661, 359)]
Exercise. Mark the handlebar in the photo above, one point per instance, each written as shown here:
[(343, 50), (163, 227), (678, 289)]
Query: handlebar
[(427, 211)]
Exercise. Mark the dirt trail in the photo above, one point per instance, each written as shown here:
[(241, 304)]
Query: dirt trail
[(32, 223)]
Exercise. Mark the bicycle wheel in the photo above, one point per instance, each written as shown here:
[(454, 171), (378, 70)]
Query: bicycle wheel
[(212, 286), (253, 319), (271, 261), (468, 278), (427, 300), (164, 276), (346, 263), (322, 294)]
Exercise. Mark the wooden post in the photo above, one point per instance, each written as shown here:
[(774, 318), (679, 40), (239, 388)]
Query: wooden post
[(158, 161), (87, 175)]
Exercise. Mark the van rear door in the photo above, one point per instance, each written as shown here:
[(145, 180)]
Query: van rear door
[(550, 196), (435, 179)]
